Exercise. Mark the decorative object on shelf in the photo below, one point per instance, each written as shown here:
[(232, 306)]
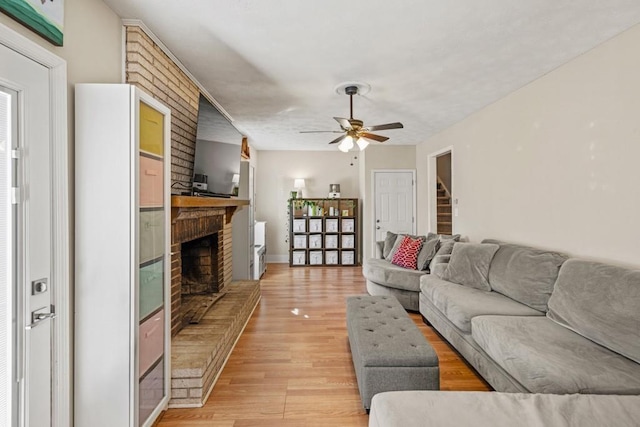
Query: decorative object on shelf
[(245, 152), (334, 191), (299, 184), (235, 180), (46, 18)]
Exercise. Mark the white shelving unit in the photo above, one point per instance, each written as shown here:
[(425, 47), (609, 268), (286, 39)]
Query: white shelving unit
[(122, 278)]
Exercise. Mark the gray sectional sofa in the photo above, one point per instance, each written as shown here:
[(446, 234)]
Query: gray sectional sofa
[(481, 409), (534, 321)]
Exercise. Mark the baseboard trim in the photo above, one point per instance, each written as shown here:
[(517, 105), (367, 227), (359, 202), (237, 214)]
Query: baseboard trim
[(278, 259)]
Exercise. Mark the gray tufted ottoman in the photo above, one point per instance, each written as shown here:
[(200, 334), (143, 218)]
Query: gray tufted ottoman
[(389, 352)]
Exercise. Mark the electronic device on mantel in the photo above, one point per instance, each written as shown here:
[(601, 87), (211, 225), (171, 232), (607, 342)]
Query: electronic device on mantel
[(334, 191)]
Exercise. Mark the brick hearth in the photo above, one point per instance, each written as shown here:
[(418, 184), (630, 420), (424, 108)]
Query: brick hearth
[(199, 352)]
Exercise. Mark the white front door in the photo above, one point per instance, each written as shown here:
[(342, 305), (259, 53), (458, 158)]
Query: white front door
[(394, 203), (26, 233)]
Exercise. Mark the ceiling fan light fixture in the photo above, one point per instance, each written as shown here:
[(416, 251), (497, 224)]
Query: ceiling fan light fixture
[(362, 143), (346, 144)]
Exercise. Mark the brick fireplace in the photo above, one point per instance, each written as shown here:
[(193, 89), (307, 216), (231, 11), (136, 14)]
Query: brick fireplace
[(201, 249)]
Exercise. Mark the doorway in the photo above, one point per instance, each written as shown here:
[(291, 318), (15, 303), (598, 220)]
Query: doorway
[(395, 203), (34, 231), (442, 209)]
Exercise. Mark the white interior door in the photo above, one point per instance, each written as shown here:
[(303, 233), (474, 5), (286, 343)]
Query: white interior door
[(27, 203), (394, 202)]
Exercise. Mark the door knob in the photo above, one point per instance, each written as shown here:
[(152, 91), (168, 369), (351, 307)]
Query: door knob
[(38, 316)]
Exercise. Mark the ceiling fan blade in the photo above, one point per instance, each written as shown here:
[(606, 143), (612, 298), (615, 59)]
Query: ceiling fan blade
[(344, 123), (321, 131), (338, 139), (396, 125), (378, 138)]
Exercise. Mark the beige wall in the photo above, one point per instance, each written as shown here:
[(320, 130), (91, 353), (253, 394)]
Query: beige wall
[(274, 181), (380, 157), (92, 44), (555, 164)]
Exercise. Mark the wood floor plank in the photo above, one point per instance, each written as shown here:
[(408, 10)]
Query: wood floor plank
[(292, 365)]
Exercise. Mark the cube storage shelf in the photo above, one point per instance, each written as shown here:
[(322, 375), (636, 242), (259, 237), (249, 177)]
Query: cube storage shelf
[(323, 232)]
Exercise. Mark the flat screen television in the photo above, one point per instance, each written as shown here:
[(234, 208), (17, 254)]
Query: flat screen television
[(217, 155)]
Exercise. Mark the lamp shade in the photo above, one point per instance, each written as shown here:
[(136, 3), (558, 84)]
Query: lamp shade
[(362, 143), (346, 144), (298, 183)]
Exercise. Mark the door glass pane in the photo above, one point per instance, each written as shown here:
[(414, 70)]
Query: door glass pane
[(7, 283)]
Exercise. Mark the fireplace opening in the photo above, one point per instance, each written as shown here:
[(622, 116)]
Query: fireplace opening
[(201, 288), (200, 266)]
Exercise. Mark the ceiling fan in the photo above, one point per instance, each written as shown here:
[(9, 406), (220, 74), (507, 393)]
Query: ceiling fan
[(354, 129)]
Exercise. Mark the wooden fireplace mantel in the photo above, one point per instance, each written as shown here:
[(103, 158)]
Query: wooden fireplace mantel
[(180, 203)]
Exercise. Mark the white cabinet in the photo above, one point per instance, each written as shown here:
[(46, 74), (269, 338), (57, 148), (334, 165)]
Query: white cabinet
[(243, 227), (122, 279), (260, 249)]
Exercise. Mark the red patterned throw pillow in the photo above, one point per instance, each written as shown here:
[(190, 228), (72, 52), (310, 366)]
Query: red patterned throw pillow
[(407, 254)]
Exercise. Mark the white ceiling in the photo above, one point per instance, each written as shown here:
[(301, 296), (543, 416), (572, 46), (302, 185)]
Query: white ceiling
[(273, 65)]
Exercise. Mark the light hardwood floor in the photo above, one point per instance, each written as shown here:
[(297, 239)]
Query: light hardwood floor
[(292, 365)]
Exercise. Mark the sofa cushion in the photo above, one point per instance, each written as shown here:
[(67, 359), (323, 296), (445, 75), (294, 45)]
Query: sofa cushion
[(388, 245), (461, 303), (428, 251), (443, 237), (444, 249), (469, 264), (383, 272), (419, 408), (407, 253), (548, 358), (525, 274), (600, 302)]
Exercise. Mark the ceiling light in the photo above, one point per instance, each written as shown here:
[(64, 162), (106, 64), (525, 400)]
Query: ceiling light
[(346, 144), (362, 143)]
